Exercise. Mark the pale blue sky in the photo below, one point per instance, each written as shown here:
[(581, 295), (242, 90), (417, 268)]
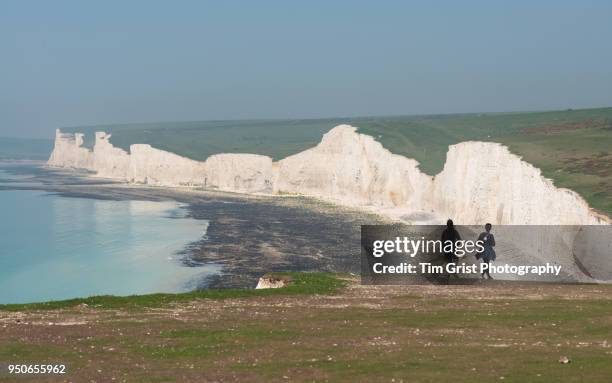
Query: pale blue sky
[(67, 63)]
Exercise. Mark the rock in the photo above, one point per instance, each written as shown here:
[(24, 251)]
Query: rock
[(268, 282), (354, 169), (70, 153), (245, 173), (160, 168), (485, 182), (109, 161)]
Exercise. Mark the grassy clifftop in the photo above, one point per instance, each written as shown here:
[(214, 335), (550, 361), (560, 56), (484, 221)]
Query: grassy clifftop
[(572, 147), (300, 283), (493, 331)]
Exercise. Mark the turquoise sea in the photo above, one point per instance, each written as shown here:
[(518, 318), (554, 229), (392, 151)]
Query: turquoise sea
[(54, 247)]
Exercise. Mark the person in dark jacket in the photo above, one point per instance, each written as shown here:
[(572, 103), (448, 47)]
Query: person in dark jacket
[(488, 254), (450, 234)]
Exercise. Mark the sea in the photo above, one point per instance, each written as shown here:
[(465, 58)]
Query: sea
[(54, 247)]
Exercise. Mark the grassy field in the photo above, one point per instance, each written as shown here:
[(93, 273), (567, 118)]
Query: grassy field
[(301, 283), (329, 330), (571, 147), (200, 139)]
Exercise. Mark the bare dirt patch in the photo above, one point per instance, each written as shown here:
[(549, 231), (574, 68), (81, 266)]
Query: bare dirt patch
[(590, 123), (599, 164)]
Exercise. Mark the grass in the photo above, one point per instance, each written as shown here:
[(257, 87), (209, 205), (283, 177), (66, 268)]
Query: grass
[(408, 333), (200, 139), (452, 341), (572, 147), (301, 283)]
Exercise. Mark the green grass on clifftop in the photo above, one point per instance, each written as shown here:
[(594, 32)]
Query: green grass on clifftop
[(493, 331), (301, 283)]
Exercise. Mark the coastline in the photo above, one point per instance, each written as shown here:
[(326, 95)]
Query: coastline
[(80, 180), (249, 235)]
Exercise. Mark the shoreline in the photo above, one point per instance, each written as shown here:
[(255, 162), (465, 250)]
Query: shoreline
[(189, 193), (249, 235)]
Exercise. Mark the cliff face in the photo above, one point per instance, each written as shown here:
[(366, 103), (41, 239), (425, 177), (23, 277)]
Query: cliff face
[(484, 182), (245, 173), (160, 168), (109, 161), (69, 153), (354, 169), (480, 182)]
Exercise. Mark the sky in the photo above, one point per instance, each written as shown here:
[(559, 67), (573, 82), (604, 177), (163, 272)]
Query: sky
[(73, 63)]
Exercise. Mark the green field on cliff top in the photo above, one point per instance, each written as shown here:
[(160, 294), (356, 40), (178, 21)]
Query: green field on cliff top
[(322, 328), (572, 147)]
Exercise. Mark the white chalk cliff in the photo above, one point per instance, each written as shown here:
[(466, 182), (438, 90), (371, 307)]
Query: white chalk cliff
[(354, 169), (70, 153), (480, 182), (109, 161), (241, 173), (484, 182)]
